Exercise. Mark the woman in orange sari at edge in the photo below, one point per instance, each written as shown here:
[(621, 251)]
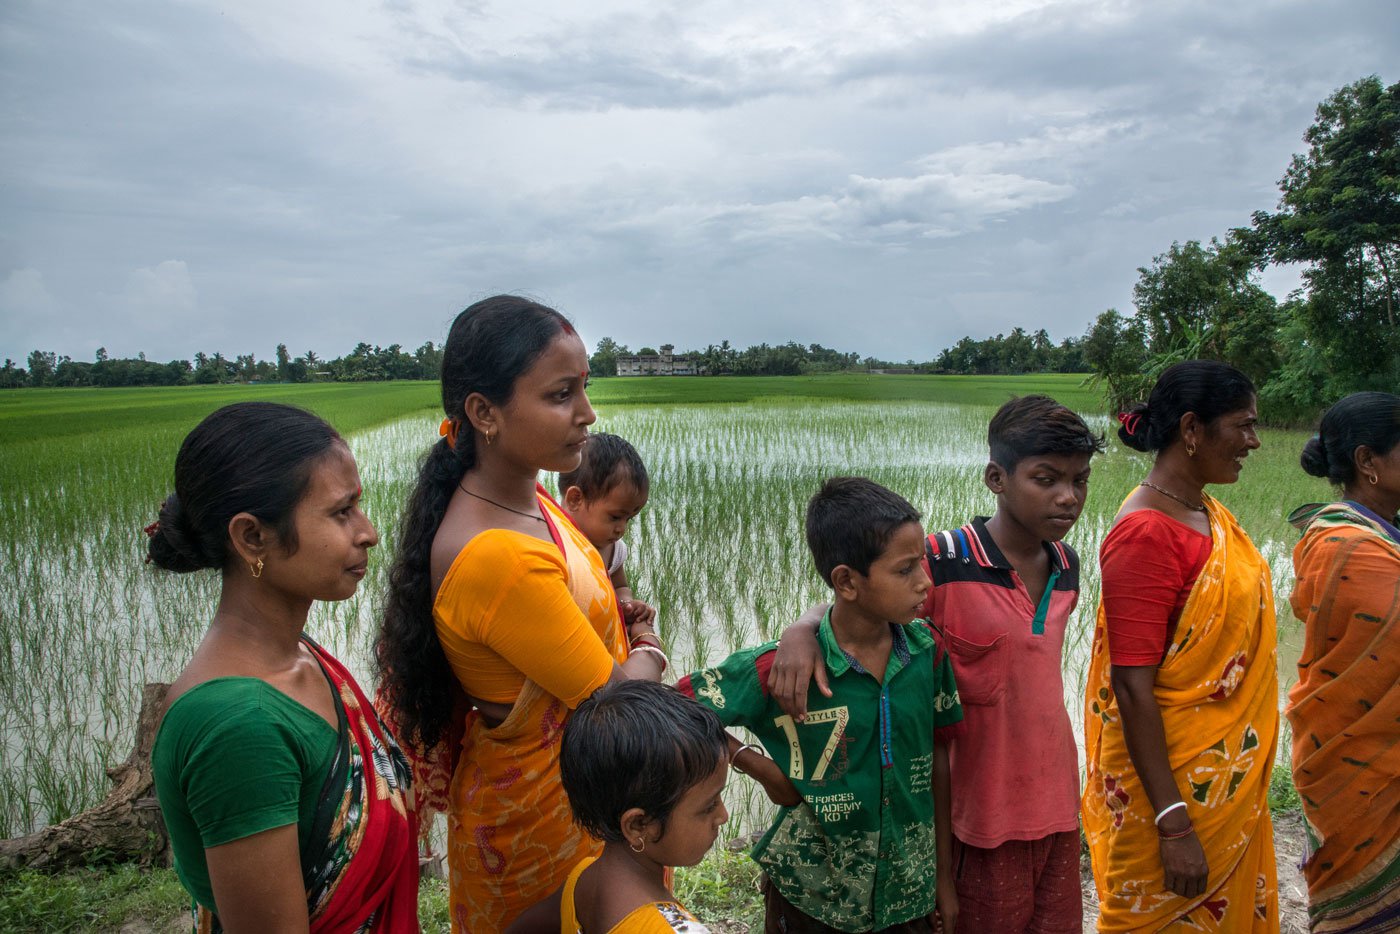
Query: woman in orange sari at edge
[(1181, 706), (499, 604), (1345, 708)]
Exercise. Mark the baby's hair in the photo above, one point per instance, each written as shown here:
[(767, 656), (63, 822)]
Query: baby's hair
[(636, 744), (1032, 425), (1369, 418), (608, 461), (850, 521)]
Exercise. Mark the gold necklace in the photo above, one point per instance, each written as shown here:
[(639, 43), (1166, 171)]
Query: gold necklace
[(1170, 495)]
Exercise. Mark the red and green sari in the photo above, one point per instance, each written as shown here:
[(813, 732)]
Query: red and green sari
[(361, 870)]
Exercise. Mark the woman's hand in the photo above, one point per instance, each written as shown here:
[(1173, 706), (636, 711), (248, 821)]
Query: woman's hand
[(1184, 869), (797, 664)]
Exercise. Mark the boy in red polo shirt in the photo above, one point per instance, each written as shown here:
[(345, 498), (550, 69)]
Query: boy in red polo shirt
[(1003, 590)]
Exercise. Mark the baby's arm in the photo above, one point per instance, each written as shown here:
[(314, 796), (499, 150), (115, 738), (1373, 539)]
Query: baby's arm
[(633, 610)]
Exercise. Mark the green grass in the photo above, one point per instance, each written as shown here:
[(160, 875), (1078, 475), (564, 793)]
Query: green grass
[(96, 899), (1068, 388), (723, 886), (42, 415), (105, 898)]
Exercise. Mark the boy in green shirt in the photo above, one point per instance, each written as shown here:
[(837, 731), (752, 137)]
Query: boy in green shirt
[(874, 822)]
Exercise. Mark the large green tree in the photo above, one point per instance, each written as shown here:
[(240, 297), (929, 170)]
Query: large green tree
[(1204, 301), (604, 359), (1339, 213)]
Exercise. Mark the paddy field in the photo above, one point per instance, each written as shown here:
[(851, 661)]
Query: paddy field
[(718, 550)]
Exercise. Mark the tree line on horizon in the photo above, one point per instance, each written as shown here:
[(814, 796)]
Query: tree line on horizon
[(1017, 352), (1338, 216)]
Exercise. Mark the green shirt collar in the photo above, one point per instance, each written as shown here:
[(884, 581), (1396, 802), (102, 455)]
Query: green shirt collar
[(907, 643)]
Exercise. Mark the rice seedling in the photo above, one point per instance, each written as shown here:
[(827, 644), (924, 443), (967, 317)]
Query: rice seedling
[(718, 550)]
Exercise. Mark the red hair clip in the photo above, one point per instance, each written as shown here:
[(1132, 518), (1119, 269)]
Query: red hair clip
[(1130, 421), (152, 529)]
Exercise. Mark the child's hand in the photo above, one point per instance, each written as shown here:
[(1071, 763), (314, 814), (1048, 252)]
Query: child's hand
[(797, 664), (635, 611), (946, 899)]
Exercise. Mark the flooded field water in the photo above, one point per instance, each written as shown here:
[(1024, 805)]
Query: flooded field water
[(718, 550)]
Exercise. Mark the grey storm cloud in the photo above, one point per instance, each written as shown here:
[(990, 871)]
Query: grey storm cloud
[(884, 178)]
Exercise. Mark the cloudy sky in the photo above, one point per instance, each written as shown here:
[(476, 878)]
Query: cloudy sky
[(879, 177)]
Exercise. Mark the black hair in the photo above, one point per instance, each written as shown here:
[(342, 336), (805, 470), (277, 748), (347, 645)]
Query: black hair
[(636, 744), (1207, 387), (488, 347), (1369, 418), (253, 457), (850, 521), (1032, 425), (607, 462)]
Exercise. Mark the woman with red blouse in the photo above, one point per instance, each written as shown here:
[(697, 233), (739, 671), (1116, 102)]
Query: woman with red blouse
[(1181, 708)]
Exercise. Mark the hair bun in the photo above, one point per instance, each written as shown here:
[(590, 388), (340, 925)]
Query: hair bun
[(1314, 457), (173, 546), (1134, 427)]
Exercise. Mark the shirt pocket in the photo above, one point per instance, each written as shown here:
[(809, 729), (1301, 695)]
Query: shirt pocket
[(980, 670)]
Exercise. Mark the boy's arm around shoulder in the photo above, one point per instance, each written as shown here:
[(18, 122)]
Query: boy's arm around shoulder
[(735, 690)]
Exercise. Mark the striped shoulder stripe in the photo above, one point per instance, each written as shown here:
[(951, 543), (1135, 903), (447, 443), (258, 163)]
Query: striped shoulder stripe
[(1064, 555), (950, 547), (975, 545), (933, 545)]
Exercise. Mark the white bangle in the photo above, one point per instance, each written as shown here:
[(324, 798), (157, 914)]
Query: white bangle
[(646, 647), (1167, 810), (757, 750)]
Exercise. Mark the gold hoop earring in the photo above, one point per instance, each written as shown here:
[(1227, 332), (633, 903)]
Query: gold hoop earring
[(641, 845), (1374, 479), (256, 568)]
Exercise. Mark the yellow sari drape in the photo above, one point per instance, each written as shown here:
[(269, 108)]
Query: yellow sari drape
[(1218, 693), (511, 836)]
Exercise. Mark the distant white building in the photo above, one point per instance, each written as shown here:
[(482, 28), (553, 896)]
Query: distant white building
[(665, 363)]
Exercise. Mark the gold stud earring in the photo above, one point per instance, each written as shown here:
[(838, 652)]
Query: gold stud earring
[(1190, 449), (256, 568)]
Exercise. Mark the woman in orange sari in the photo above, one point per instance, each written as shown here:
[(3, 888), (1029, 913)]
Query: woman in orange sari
[(1345, 708), (1181, 706), (498, 604)]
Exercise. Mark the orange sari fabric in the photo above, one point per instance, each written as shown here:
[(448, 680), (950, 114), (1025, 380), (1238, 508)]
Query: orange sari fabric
[(1344, 710), (511, 837), (1218, 693)]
